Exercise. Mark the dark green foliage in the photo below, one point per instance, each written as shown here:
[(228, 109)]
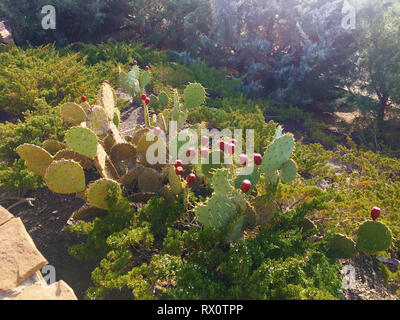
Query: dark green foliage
[(76, 20)]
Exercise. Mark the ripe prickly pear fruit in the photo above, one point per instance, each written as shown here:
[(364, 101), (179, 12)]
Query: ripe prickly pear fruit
[(205, 141), (244, 160), (143, 97), (147, 68), (147, 101), (179, 171), (106, 81), (157, 131), (375, 213), (135, 63), (191, 179), (234, 141), (204, 153), (222, 145), (231, 148), (83, 99), (246, 186), (257, 159), (178, 163), (191, 152)]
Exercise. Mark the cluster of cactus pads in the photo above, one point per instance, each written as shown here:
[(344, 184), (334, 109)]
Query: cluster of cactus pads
[(94, 141), (227, 207), (372, 236)]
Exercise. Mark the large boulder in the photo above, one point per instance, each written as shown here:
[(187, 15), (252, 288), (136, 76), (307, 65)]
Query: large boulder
[(5, 32)]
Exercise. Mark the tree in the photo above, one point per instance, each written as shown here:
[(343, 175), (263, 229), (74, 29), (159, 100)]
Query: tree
[(379, 45)]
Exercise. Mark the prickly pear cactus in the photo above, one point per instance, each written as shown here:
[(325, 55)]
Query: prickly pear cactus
[(217, 212), (277, 153), (175, 181), (83, 141), (53, 146), (163, 99), (98, 121), (97, 192), (36, 158), (65, 177), (288, 171), (220, 183), (149, 181), (194, 95), (373, 236), (341, 246), (276, 162), (72, 113), (66, 154)]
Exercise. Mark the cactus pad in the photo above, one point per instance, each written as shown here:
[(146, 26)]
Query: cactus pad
[(235, 231), (87, 213), (83, 141), (98, 121), (174, 181), (145, 78), (53, 146), (107, 100), (163, 99), (66, 154), (97, 192), (341, 246), (217, 213), (65, 177), (208, 169), (194, 95), (85, 106), (149, 181), (373, 236), (221, 183), (133, 75), (36, 158), (277, 153), (131, 176), (288, 171), (123, 151), (72, 113)]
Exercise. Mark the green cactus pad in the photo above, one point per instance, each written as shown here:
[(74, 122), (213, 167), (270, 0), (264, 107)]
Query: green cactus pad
[(85, 162), (163, 99), (373, 236), (143, 144), (107, 100), (97, 192), (137, 135), (36, 158), (277, 153), (88, 213), (341, 247), (83, 141), (149, 181), (97, 121), (217, 213), (72, 113), (65, 177), (53, 146), (123, 151), (174, 181), (145, 78), (117, 117), (220, 183), (154, 103), (133, 75), (194, 95), (254, 177), (288, 171)]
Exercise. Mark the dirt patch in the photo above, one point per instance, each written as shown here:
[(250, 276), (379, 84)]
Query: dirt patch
[(369, 282), (44, 223)]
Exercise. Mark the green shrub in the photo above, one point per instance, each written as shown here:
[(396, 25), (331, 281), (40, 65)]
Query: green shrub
[(26, 75)]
